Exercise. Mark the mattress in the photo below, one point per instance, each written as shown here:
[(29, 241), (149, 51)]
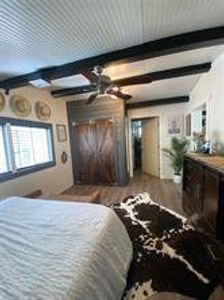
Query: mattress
[(58, 250)]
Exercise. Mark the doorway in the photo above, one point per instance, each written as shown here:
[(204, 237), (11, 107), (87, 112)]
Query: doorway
[(145, 146)]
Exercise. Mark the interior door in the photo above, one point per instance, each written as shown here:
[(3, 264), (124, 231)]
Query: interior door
[(85, 145), (95, 150), (151, 147), (105, 169)]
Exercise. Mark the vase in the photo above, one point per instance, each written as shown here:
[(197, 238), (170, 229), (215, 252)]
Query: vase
[(177, 179)]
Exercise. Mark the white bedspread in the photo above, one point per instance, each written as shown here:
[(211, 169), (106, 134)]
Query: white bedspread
[(57, 250)]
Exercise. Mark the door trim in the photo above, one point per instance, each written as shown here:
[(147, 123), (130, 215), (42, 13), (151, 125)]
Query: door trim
[(130, 150)]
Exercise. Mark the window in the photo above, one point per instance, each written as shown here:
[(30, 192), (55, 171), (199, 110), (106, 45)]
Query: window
[(30, 146), (25, 147), (3, 157)]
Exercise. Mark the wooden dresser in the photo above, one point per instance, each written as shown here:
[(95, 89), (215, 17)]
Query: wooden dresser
[(203, 192)]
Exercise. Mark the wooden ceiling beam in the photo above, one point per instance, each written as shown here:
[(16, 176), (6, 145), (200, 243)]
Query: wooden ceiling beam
[(164, 74), (155, 102), (139, 79), (169, 45)]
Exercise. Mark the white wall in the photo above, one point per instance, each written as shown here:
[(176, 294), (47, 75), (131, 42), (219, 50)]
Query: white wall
[(163, 112), (210, 90), (51, 180)]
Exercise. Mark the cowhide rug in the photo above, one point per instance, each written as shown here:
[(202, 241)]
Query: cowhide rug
[(169, 254)]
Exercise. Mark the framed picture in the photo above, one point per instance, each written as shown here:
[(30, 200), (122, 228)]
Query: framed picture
[(61, 133), (175, 125)]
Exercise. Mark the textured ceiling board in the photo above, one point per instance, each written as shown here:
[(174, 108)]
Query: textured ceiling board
[(37, 34), (53, 32), (165, 18)]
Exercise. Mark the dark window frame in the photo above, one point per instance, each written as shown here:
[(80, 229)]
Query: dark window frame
[(35, 168)]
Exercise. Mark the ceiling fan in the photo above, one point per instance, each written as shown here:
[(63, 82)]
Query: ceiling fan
[(103, 85)]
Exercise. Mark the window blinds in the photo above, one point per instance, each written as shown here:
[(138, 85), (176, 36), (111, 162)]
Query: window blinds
[(30, 146), (3, 158)]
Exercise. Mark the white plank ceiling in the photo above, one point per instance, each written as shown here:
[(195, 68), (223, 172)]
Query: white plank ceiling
[(36, 34)]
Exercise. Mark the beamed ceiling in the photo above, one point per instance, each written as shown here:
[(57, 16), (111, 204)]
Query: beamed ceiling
[(38, 35)]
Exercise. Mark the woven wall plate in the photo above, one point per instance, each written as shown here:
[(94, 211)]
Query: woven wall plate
[(42, 110), (2, 101), (64, 157), (20, 105)]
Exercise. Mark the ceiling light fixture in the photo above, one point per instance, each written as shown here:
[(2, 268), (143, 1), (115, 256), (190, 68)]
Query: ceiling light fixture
[(116, 88), (40, 83)]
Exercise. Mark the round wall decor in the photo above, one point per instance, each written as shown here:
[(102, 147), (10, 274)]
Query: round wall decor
[(2, 101), (43, 111), (20, 105), (64, 157)]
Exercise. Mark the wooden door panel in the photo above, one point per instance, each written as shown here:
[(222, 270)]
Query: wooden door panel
[(95, 151), (86, 148), (105, 151)]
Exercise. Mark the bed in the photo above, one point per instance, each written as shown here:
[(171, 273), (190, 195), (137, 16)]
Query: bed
[(57, 250)]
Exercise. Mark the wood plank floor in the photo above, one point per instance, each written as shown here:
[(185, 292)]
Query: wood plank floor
[(164, 192)]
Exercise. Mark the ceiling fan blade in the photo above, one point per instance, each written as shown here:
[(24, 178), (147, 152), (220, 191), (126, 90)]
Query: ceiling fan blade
[(73, 91), (120, 95), (91, 98), (92, 77)]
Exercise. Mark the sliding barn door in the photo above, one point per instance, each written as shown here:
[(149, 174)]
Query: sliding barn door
[(85, 151), (105, 169), (95, 151)]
